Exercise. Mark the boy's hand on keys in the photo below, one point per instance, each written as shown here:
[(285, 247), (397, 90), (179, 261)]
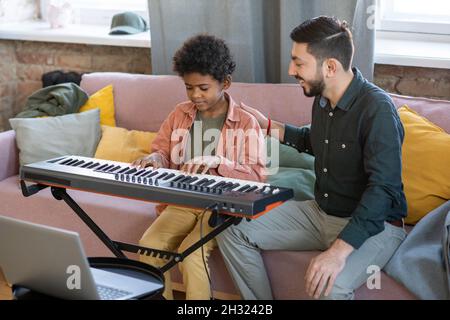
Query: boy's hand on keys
[(155, 160), (201, 164)]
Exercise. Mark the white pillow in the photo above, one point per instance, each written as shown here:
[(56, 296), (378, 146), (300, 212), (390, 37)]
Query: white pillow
[(40, 139)]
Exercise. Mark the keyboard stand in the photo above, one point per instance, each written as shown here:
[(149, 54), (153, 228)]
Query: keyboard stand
[(218, 220)]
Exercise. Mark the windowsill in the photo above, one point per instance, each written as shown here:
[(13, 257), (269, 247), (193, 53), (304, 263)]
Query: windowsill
[(410, 49), (82, 34)]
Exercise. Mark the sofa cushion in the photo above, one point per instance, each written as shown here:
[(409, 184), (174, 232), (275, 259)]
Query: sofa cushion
[(120, 144), (45, 138), (103, 100), (287, 156), (426, 156), (300, 180), (437, 111)]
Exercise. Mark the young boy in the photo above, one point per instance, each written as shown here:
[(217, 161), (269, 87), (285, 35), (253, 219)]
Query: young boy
[(235, 149)]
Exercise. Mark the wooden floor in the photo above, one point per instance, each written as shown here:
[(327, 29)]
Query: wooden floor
[(5, 290)]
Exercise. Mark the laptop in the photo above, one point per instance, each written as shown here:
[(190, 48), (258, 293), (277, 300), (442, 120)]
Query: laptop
[(52, 261)]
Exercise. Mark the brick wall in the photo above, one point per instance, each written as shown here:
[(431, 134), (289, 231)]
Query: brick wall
[(23, 63), (413, 81)]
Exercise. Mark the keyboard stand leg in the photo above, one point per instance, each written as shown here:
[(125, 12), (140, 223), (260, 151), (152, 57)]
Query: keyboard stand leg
[(225, 223), (61, 194)]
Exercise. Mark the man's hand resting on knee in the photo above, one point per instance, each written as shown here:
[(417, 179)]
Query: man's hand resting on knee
[(324, 268)]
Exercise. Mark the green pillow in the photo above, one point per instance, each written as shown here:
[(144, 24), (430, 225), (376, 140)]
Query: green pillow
[(40, 139), (300, 180), (287, 156)]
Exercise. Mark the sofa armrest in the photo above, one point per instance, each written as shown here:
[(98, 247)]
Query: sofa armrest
[(9, 155)]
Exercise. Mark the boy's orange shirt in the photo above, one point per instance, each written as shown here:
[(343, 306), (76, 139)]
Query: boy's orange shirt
[(242, 158)]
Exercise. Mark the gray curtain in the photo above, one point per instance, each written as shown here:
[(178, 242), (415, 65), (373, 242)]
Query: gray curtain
[(257, 31)]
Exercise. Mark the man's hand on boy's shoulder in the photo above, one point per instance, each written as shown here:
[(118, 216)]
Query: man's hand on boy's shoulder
[(155, 160), (259, 116), (201, 164)]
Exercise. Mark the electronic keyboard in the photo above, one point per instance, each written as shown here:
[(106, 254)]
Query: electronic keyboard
[(231, 196)]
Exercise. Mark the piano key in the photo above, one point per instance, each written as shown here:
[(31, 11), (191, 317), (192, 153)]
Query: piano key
[(171, 175), (154, 173), (93, 166), (219, 184), (210, 182), (71, 162), (141, 173), (199, 183), (137, 173), (185, 179), (76, 164), (113, 167), (226, 186), (66, 161), (234, 186), (192, 180), (124, 169), (86, 164), (147, 173), (244, 188), (177, 179), (113, 170), (252, 189), (132, 170), (102, 167), (162, 175), (56, 160), (105, 169)]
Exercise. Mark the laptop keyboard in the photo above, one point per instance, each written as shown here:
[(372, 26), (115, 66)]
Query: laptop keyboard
[(108, 293)]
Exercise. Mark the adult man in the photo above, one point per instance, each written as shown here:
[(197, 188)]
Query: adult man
[(356, 135)]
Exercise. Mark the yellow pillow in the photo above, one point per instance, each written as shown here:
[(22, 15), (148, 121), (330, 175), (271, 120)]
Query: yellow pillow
[(426, 159), (119, 144), (104, 100)]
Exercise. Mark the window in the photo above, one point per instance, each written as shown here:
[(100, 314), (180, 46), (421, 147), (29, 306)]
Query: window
[(418, 16), (99, 12)]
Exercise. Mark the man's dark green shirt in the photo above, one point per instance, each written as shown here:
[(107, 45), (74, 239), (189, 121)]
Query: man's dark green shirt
[(358, 158)]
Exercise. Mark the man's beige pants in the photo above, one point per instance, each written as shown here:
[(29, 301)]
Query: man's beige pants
[(301, 226)]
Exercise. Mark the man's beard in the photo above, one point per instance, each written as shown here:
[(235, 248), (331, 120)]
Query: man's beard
[(316, 87)]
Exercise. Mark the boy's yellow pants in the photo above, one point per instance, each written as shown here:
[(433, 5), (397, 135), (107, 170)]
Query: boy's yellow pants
[(177, 229)]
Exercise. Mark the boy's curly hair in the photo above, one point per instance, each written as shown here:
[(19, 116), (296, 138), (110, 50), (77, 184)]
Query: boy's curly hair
[(205, 54)]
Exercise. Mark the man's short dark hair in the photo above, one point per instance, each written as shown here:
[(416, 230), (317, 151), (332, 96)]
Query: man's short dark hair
[(327, 37), (206, 55)]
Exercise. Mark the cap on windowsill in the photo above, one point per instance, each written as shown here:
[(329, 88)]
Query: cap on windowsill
[(127, 23)]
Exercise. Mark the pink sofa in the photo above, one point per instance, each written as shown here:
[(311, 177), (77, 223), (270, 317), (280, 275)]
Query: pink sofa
[(142, 102)]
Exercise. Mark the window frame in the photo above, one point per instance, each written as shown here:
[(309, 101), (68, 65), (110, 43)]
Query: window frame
[(389, 20)]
